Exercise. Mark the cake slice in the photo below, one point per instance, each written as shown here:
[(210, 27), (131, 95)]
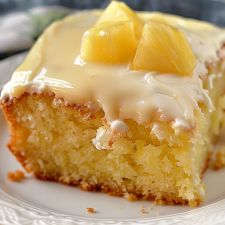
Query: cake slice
[(133, 119)]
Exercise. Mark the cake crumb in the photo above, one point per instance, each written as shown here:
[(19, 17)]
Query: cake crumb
[(219, 160), (159, 202), (130, 197), (143, 210), (16, 176), (193, 203), (86, 186), (91, 210)]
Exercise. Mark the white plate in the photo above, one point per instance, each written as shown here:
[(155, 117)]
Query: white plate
[(44, 203)]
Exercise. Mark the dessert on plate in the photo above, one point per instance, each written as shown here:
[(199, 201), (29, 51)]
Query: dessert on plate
[(121, 102)]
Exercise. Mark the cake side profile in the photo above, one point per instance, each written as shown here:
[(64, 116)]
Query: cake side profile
[(129, 106)]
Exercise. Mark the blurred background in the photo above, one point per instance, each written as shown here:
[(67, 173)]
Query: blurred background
[(22, 21), (211, 10)]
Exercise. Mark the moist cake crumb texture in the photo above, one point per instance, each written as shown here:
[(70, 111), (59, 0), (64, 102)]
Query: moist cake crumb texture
[(91, 210), (120, 125)]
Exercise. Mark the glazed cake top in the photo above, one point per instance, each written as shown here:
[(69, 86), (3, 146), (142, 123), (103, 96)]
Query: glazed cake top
[(54, 65)]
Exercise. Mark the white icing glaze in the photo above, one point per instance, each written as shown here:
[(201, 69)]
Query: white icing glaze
[(102, 139), (118, 126), (158, 131), (54, 65), (180, 123)]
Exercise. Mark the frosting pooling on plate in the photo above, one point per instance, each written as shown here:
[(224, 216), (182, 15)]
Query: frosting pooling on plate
[(54, 65)]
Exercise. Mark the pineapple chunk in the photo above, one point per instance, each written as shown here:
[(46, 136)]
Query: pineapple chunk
[(165, 49), (119, 11), (111, 42)]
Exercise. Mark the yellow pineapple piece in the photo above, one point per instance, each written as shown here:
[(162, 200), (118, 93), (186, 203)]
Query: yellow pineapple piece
[(111, 42), (165, 49), (119, 11)]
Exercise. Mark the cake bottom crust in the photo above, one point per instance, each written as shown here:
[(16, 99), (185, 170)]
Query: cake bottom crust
[(167, 199), (131, 196)]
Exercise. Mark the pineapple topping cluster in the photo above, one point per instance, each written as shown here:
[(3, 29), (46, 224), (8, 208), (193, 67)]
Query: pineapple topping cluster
[(121, 36)]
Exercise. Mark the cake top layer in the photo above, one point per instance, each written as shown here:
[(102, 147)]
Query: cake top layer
[(54, 65)]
